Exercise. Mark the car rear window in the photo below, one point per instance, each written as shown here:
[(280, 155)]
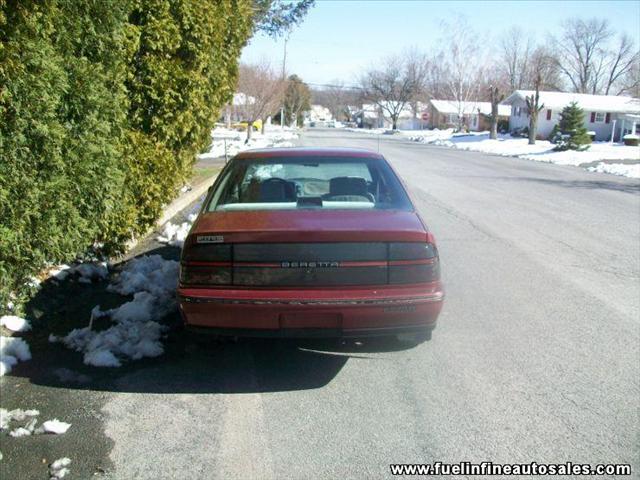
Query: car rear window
[(308, 182)]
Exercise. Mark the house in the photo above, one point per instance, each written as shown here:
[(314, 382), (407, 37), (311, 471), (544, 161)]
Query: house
[(369, 116), (374, 116), (476, 116), (603, 114), (234, 112), (318, 115)]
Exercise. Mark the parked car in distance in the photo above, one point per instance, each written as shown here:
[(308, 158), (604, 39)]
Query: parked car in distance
[(310, 242)]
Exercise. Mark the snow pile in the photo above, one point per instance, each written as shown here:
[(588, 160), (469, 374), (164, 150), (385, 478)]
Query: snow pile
[(58, 469), (12, 350), (15, 324), (542, 151), (622, 169), (135, 334), (19, 415), (91, 271), (234, 141), (174, 234), (54, 426)]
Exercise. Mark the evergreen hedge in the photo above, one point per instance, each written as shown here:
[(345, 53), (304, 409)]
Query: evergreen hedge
[(103, 107)]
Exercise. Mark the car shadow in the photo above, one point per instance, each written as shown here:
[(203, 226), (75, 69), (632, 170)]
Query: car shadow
[(188, 365)]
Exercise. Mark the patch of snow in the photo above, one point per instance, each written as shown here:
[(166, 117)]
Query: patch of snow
[(58, 469), (175, 235), (15, 324), (12, 350), (101, 358), (60, 272), (54, 426), (234, 140), (135, 334), (622, 169), (20, 432), (542, 151), (91, 271)]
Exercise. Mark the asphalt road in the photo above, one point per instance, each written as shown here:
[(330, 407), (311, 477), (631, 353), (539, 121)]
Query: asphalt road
[(536, 356)]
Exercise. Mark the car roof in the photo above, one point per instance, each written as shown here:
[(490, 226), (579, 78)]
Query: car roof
[(309, 152)]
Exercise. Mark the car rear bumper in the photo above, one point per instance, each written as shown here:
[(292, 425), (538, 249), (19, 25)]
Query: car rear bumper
[(312, 313)]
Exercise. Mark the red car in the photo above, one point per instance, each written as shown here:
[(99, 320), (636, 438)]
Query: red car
[(310, 242)]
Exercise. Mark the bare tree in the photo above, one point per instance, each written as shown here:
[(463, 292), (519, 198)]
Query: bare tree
[(337, 100), (262, 90), (542, 67), (516, 48), (581, 50), (496, 96), (622, 62), (435, 84), (462, 64), (391, 86), (418, 66)]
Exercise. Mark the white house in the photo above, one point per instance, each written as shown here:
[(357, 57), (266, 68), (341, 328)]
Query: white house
[(475, 115), (374, 116), (318, 114), (603, 114)]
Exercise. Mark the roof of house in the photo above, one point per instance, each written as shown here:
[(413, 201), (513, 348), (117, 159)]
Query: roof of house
[(451, 106), (589, 103)]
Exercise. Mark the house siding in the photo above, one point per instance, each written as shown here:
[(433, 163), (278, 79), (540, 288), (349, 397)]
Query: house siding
[(601, 129)]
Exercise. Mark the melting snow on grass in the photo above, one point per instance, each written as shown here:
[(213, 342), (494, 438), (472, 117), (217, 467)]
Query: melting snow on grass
[(135, 333), (12, 350), (234, 140)]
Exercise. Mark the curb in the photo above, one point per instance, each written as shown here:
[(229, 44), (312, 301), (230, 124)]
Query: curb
[(177, 205), (183, 201)]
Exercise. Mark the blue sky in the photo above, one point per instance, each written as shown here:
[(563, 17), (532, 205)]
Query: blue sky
[(340, 37)]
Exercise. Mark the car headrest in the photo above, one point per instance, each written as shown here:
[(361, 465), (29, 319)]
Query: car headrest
[(348, 186), (277, 192)]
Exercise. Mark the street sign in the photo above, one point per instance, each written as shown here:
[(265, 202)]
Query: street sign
[(425, 116)]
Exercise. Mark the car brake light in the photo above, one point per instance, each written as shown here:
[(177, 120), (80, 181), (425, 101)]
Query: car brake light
[(413, 262), (205, 264)]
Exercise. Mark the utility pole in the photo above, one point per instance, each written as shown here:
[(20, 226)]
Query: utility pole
[(284, 70)]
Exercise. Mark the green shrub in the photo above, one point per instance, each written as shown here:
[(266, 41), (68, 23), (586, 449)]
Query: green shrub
[(103, 107), (62, 113), (573, 134)]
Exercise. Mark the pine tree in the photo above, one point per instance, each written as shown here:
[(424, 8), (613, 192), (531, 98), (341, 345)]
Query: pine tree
[(574, 134)]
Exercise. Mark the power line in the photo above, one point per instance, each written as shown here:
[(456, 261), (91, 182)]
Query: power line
[(328, 85)]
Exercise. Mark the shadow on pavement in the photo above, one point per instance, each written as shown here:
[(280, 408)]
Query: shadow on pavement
[(187, 366), (622, 185)]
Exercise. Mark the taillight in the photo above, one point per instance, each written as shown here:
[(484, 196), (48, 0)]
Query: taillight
[(205, 264), (205, 274), (413, 262)]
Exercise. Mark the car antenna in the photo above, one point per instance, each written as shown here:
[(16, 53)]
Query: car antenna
[(378, 143)]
